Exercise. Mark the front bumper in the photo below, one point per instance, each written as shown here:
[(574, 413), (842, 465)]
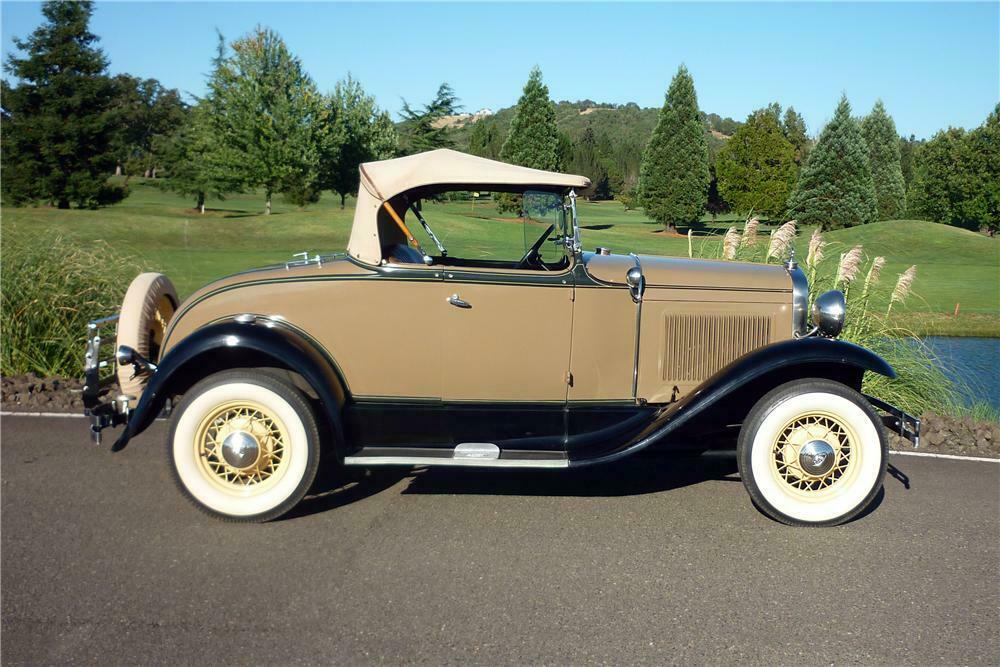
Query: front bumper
[(900, 422)]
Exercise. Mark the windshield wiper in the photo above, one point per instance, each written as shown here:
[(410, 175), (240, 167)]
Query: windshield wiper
[(427, 228)]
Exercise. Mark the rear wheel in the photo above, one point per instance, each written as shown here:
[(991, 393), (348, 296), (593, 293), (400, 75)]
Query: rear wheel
[(812, 452), (244, 446)]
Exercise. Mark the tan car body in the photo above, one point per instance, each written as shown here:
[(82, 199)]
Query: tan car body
[(697, 316), (586, 359)]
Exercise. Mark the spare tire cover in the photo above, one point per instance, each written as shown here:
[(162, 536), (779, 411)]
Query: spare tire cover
[(149, 304)]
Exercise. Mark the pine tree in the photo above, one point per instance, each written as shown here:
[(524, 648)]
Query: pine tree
[(674, 176), (794, 127), (756, 167), (533, 140), (264, 108), (879, 132), (835, 189), (486, 138), (422, 129), (59, 121)]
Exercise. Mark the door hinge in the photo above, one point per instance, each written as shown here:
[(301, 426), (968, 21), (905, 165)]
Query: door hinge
[(569, 378)]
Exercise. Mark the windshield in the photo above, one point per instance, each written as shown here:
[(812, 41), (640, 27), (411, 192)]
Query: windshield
[(539, 210), (489, 227)]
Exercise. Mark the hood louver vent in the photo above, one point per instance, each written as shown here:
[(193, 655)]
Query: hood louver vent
[(696, 346)]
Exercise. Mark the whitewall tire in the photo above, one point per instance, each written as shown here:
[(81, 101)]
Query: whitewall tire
[(812, 452), (244, 446)]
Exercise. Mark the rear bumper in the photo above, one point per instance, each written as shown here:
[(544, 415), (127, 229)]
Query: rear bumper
[(904, 424), (100, 402)]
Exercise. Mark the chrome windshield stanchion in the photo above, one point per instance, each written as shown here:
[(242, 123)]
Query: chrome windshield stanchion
[(577, 246)]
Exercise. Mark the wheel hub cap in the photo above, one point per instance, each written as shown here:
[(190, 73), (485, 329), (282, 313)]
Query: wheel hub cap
[(241, 444), (240, 449), (817, 457), (812, 452)]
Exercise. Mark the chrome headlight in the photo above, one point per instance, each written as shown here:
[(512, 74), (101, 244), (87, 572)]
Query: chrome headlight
[(828, 313)]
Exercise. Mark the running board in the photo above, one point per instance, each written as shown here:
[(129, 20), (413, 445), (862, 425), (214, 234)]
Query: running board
[(472, 455)]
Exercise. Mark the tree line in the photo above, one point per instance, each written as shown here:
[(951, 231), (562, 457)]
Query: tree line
[(263, 124), (857, 171)]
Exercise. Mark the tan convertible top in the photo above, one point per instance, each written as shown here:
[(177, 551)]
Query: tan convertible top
[(438, 171)]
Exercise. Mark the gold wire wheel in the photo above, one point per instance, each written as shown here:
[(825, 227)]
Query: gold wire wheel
[(813, 452), (158, 325), (241, 446)]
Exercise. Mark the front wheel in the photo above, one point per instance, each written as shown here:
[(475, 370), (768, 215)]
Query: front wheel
[(244, 446), (812, 452)]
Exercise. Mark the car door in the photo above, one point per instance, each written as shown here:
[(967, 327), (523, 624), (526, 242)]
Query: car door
[(389, 349), (505, 356)]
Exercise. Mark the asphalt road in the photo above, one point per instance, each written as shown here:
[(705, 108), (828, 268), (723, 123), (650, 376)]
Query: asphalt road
[(658, 561)]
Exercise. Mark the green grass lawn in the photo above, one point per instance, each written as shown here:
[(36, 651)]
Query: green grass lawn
[(162, 233)]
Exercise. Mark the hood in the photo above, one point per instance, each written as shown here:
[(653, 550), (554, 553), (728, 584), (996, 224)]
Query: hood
[(683, 272)]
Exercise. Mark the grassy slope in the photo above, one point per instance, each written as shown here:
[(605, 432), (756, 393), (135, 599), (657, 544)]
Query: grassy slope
[(161, 231)]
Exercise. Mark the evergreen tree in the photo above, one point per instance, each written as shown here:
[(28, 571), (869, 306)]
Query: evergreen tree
[(794, 127), (533, 140), (264, 108), (355, 131), (835, 189), (985, 146), (423, 129), (486, 138), (879, 132), (957, 177), (674, 176), (756, 167), (59, 121), (907, 148), (147, 113)]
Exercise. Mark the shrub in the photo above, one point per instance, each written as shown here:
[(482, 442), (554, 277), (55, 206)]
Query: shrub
[(50, 287)]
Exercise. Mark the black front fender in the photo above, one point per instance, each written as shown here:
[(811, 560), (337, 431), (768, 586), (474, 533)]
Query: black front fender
[(222, 346), (785, 360)]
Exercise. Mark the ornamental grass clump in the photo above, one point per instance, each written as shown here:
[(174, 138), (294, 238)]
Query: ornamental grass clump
[(50, 287), (749, 239), (730, 244), (921, 385), (781, 239)]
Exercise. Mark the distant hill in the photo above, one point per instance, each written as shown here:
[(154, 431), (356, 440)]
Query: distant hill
[(620, 131)]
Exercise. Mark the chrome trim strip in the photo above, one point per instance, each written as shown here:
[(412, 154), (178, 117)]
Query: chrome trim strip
[(636, 291), (436, 461)]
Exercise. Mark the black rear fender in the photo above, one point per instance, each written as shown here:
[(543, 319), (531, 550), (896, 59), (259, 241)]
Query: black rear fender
[(261, 344)]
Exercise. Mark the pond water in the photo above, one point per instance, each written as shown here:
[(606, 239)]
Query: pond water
[(974, 363)]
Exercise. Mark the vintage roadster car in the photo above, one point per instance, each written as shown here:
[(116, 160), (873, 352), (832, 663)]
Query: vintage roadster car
[(550, 358)]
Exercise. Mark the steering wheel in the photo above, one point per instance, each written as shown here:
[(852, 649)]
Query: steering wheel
[(531, 258)]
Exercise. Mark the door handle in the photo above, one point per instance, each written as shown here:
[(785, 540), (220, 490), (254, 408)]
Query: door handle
[(455, 300)]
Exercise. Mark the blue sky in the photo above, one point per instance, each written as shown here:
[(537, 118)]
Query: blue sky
[(934, 65)]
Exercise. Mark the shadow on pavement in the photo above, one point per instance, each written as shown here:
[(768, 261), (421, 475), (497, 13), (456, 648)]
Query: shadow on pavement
[(627, 478), (644, 474)]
